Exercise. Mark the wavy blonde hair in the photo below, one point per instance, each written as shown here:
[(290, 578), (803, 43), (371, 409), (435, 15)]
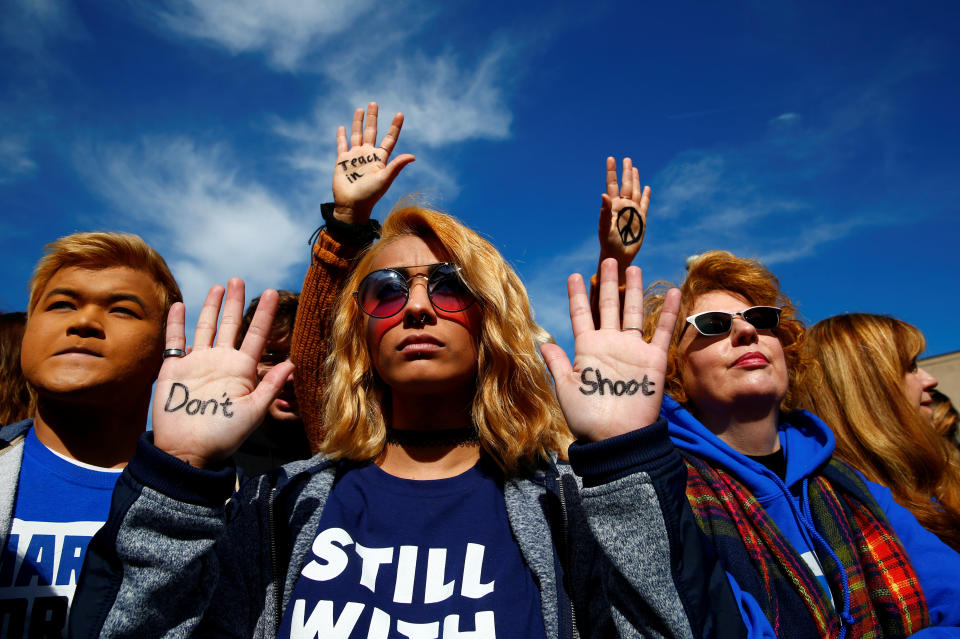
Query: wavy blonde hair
[(515, 411), (746, 278), (858, 389)]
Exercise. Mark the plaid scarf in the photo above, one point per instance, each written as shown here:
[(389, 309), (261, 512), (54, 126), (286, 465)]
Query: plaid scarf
[(885, 598)]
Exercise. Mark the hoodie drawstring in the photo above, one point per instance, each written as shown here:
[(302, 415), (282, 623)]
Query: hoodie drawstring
[(807, 519)]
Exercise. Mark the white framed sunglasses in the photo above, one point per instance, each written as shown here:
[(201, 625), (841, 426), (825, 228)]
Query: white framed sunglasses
[(712, 323)]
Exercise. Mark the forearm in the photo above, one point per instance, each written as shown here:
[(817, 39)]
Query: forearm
[(152, 568), (330, 265), (635, 502)]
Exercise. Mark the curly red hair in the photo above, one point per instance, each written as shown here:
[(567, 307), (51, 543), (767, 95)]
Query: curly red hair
[(745, 278)]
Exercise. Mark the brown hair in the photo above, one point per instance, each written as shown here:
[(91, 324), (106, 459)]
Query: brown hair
[(16, 400), (282, 321), (857, 389), (104, 250), (515, 411), (746, 278)]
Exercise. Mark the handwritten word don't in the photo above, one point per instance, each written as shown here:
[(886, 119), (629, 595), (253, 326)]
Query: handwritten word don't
[(180, 392)]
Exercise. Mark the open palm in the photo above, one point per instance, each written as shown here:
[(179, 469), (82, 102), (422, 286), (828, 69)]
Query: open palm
[(615, 384), (364, 172), (623, 214), (208, 402)]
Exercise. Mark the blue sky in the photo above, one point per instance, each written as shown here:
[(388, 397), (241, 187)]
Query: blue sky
[(820, 137)]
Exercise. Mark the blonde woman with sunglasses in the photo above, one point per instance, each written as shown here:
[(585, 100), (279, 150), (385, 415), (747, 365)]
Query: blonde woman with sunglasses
[(439, 505)]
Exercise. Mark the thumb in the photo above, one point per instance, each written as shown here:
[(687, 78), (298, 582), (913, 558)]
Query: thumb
[(557, 362), (392, 170), (606, 214), (271, 385)]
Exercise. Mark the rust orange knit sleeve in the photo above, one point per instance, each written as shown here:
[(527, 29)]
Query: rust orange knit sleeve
[(329, 267)]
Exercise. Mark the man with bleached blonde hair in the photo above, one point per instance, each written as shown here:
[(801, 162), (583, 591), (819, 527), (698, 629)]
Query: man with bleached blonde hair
[(92, 348)]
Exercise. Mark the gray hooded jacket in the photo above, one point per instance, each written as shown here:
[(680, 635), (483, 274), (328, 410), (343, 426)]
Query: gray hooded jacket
[(617, 554)]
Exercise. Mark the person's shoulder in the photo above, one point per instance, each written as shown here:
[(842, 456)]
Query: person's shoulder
[(296, 476), (10, 433)]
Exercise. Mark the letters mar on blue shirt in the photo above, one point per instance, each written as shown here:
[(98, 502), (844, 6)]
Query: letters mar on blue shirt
[(59, 507), (397, 558)]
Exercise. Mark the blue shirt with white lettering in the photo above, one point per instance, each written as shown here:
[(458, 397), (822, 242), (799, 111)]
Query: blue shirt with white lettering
[(397, 558), (59, 506)]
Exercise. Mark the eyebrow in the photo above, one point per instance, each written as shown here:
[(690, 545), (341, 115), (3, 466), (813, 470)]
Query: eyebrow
[(113, 298)]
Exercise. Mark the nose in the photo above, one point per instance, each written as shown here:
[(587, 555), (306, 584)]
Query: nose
[(929, 381), (86, 322), (419, 309), (743, 332)]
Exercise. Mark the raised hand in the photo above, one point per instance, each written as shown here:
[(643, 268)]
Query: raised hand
[(208, 402), (623, 214), (362, 174), (616, 382)]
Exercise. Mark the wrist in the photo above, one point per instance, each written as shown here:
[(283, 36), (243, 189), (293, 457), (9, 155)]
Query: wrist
[(357, 233), (351, 214), (170, 475)]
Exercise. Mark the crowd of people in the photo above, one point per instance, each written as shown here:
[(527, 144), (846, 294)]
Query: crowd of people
[(400, 450)]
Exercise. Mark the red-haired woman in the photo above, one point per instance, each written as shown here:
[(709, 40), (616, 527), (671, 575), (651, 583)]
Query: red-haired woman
[(811, 547)]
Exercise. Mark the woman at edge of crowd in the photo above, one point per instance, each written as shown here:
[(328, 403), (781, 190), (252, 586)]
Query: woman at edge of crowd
[(784, 514), (174, 558), (868, 388)]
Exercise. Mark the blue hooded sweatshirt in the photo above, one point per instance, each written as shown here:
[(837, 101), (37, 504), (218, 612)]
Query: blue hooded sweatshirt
[(807, 445)]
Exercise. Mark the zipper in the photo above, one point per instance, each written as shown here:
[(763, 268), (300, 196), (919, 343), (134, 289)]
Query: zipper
[(277, 586), (566, 550)]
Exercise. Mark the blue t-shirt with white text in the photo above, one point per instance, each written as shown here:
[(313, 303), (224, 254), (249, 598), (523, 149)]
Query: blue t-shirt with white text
[(400, 558), (60, 504)]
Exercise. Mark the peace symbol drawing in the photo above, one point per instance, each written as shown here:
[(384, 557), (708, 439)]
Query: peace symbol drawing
[(630, 225)]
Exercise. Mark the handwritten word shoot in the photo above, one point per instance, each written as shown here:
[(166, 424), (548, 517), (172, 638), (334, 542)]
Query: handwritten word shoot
[(605, 386)]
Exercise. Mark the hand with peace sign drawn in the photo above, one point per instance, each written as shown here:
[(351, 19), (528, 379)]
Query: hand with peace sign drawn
[(623, 222), (362, 173), (623, 215)]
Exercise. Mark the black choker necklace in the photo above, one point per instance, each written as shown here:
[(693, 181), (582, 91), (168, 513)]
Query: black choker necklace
[(425, 438)]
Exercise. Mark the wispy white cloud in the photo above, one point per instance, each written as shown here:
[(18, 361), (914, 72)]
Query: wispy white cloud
[(361, 52), (196, 208), (30, 25), (445, 103), (733, 200), (786, 118), (287, 32), (15, 160), (29, 31), (688, 183)]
